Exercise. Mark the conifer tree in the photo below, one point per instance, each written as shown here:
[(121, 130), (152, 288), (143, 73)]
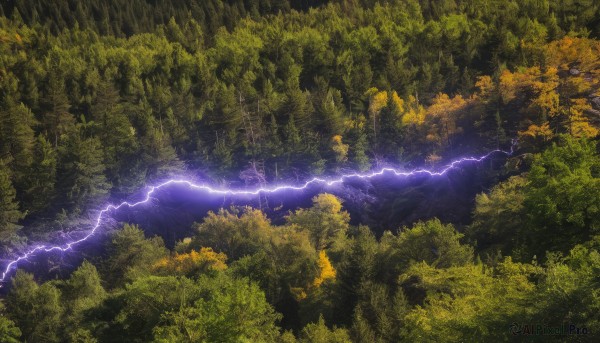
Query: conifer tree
[(81, 170), (9, 208), (41, 177)]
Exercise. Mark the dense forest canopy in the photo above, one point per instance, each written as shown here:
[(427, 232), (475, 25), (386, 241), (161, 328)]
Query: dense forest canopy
[(98, 98)]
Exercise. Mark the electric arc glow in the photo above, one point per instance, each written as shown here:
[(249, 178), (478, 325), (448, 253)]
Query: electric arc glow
[(208, 189)]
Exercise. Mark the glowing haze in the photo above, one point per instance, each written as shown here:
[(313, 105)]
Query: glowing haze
[(102, 215)]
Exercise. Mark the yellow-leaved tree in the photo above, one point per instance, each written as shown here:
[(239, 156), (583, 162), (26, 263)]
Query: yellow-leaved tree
[(327, 272), (192, 263)]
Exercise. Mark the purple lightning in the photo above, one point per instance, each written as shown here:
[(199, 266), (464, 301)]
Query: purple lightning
[(205, 188)]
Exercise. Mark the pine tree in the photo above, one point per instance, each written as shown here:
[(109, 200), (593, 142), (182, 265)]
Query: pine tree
[(81, 170), (17, 139), (57, 119), (41, 176), (9, 208), (298, 108), (84, 292), (159, 155), (331, 113), (359, 156), (274, 144), (391, 132), (116, 132), (293, 138)]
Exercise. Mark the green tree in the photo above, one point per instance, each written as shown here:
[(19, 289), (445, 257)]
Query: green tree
[(358, 264), (228, 310), (499, 218), (9, 333), (563, 196), (117, 135), (160, 158), (319, 333), (83, 292), (237, 232), (432, 242), (37, 310), (379, 314), (323, 221), (81, 170), (41, 179), (468, 302), (9, 207), (131, 255), (358, 153), (17, 139), (57, 119)]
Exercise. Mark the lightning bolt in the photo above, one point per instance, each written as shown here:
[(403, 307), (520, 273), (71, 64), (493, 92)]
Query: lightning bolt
[(233, 192)]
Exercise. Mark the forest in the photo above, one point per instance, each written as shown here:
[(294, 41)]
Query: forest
[(99, 99)]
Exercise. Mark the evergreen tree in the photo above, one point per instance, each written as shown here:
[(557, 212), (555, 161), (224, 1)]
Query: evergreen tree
[(82, 294), (17, 139), (56, 120), (131, 255), (41, 178), (37, 310), (81, 171), (116, 133), (159, 156), (358, 153), (9, 208)]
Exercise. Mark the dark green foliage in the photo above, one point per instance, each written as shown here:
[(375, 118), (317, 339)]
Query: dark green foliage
[(17, 139), (41, 178), (9, 208), (131, 255), (81, 171)]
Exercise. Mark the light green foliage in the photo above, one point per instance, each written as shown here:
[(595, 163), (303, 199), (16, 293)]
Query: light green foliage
[(9, 333), (551, 208), (432, 242), (234, 232), (170, 309), (228, 310), (466, 302), (37, 310), (83, 291), (319, 333), (568, 291), (563, 195), (324, 221), (498, 217)]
